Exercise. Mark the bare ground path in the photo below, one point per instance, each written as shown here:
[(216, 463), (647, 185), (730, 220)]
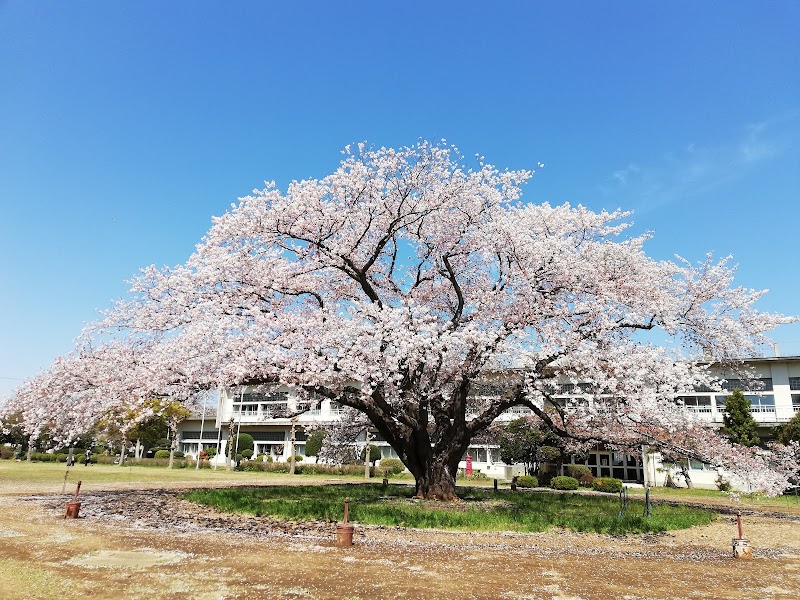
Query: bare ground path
[(147, 543)]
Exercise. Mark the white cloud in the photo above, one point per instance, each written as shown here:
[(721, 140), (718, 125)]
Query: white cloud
[(697, 168)]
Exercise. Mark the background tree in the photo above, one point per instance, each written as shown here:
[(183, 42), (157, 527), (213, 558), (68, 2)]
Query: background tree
[(404, 285), (739, 424), (148, 433), (790, 431), (374, 454), (519, 442), (527, 441), (173, 412), (314, 442), (13, 430)]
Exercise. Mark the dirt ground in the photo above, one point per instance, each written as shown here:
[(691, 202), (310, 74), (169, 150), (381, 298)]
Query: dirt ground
[(150, 544)]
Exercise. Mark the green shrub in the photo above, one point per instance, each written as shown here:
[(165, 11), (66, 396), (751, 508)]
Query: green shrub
[(242, 442), (179, 454), (562, 482), (211, 452), (161, 454), (527, 481), (6, 453), (392, 466), (582, 473), (180, 463), (545, 478), (723, 485), (269, 458), (248, 454), (607, 484), (374, 453), (43, 457)]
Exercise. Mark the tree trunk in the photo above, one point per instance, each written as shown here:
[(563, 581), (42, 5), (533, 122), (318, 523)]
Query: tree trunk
[(123, 451), (366, 456), (292, 448), (685, 473), (437, 481), (173, 443)]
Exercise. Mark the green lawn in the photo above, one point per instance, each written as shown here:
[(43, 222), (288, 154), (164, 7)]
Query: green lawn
[(46, 477), (480, 510), (789, 504)]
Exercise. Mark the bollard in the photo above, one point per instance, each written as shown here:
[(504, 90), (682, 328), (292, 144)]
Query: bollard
[(741, 547), (513, 487), (344, 531), (495, 485), (73, 507)]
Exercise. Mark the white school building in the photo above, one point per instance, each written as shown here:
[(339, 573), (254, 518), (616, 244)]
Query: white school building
[(257, 413)]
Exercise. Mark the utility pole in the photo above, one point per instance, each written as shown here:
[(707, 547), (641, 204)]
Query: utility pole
[(200, 443), (229, 444)]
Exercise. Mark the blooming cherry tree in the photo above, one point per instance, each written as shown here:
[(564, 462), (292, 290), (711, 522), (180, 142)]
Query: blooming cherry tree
[(425, 295)]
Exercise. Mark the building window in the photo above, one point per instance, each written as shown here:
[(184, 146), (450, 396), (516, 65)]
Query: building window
[(758, 403), (796, 402), (388, 452), (696, 465), (761, 404), (699, 404), (794, 383), (764, 383), (267, 436)]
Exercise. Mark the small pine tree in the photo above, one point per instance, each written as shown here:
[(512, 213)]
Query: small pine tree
[(374, 453), (740, 427), (242, 442), (314, 442)]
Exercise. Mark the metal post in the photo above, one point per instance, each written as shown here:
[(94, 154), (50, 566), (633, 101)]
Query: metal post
[(77, 490), (739, 523)]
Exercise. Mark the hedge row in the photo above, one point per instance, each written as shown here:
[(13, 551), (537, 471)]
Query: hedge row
[(306, 469), (607, 484)]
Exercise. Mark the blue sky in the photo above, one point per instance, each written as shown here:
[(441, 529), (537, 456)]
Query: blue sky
[(125, 126)]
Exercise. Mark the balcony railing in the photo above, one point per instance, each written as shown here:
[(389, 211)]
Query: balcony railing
[(698, 409)]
